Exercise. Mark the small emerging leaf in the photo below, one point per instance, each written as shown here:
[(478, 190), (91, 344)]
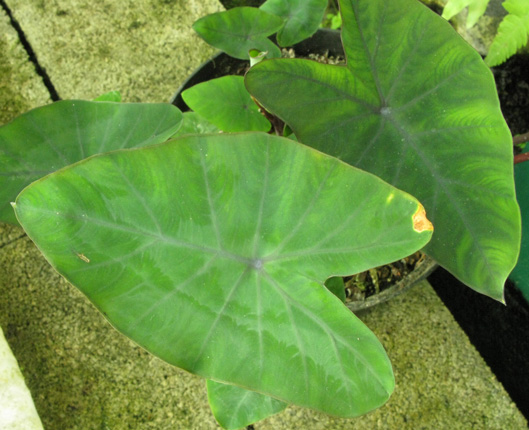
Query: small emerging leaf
[(256, 56)]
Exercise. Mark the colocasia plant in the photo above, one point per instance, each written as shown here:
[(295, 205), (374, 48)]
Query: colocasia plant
[(211, 250)]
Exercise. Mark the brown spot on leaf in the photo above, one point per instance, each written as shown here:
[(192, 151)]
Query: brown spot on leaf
[(420, 222), (83, 257)]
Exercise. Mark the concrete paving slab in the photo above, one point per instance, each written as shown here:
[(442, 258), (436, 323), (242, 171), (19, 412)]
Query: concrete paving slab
[(21, 88), (85, 375), (81, 372), (144, 49)]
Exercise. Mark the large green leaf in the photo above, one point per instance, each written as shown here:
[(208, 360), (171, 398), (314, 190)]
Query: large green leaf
[(211, 252), (235, 407), (240, 29), (302, 18), (50, 137), (225, 103), (416, 106)]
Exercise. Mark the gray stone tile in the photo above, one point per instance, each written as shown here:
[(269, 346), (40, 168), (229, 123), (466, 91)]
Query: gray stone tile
[(144, 49), (21, 88)]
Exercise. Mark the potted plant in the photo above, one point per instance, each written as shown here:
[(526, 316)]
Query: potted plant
[(360, 291), (211, 250)]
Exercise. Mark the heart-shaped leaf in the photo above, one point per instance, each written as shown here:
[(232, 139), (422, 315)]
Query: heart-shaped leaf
[(416, 106), (235, 407), (50, 137), (302, 18), (240, 29), (225, 103), (211, 252)]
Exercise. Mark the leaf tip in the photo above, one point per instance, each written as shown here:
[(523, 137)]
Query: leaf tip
[(420, 222)]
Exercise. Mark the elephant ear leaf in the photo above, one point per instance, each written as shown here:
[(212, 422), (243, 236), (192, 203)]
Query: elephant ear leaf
[(48, 138), (211, 251), (416, 106)]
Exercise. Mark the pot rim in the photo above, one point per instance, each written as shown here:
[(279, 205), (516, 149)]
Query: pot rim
[(421, 271)]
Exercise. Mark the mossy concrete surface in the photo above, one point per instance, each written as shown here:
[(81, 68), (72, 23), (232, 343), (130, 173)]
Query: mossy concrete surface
[(140, 48), (20, 87), (85, 375), (82, 373)]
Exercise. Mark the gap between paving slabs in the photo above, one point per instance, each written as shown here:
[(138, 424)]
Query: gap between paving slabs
[(54, 96), (143, 49)]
